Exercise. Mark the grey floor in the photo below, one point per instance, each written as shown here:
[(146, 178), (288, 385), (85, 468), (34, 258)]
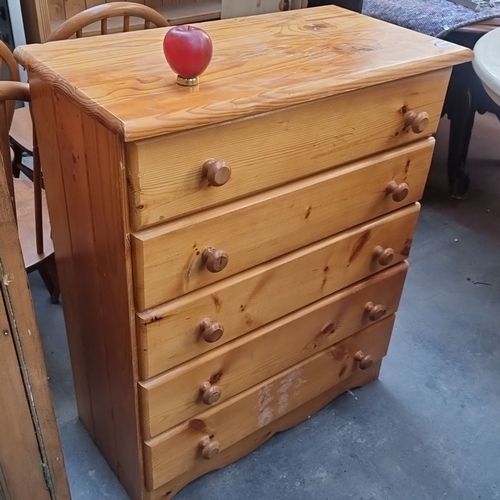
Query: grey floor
[(428, 429)]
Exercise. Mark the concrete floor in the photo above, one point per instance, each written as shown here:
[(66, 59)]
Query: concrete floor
[(429, 429)]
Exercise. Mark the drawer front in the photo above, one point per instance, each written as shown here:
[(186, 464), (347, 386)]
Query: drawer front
[(212, 378), (177, 451), (171, 260), (166, 175), (203, 320)]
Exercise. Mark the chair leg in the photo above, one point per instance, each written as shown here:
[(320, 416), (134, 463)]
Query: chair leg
[(48, 272), (18, 157), (461, 123)]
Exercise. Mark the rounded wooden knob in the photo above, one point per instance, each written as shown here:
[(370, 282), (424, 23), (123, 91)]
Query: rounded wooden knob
[(365, 361), (215, 260), (375, 312), (399, 190), (210, 393), (418, 122), (384, 255), (210, 330), (209, 448), (217, 172)]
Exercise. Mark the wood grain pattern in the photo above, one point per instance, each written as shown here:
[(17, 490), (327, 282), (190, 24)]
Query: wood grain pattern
[(73, 7), (25, 212), (31, 460), (86, 193), (171, 454), (168, 259), (175, 396), (36, 18), (169, 335), (165, 174), (73, 158), (21, 129), (259, 437), (328, 51), (230, 8), (19, 456), (45, 122), (311, 106)]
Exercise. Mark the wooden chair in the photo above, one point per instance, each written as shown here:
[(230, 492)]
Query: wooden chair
[(103, 14), (21, 129), (28, 198), (97, 18)]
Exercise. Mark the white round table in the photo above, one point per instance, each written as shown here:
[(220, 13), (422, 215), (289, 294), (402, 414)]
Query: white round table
[(486, 63)]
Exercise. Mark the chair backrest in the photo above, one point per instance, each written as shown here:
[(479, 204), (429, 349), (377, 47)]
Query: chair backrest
[(10, 93), (9, 71), (101, 13)]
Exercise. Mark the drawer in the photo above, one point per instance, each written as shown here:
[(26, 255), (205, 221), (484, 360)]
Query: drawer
[(179, 257), (210, 379), (166, 174), (196, 323), (172, 453)]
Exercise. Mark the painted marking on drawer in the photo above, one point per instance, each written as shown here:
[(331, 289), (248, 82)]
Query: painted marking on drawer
[(176, 451)]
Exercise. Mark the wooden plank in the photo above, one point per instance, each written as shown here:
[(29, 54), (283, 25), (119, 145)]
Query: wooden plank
[(73, 7), (231, 9), (171, 334), (107, 183), (318, 60), (93, 3), (93, 239), (73, 152), (20, 462), (253, 441), (57, 9), (153, 3), (175, 396), (190, 12), (46, 125), (166, 174), (37, 18), (23, 353), (169, 259), (171, 454)]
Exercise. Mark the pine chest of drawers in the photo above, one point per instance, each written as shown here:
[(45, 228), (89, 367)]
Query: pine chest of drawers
[(231, 256)]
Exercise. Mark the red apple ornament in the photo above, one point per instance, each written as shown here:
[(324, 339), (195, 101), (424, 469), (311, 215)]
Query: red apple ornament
[(188, 51)]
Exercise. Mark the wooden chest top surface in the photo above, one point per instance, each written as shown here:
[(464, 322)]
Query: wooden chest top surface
[(260, 63)]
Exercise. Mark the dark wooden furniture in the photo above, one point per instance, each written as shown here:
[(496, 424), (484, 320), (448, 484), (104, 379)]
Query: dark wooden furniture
[(31, 460), (465, 97)]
